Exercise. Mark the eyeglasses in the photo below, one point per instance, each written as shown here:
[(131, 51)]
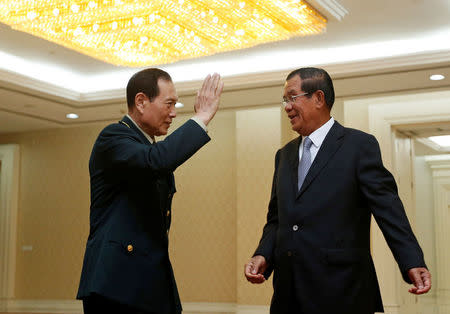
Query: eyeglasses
[(291, 99)]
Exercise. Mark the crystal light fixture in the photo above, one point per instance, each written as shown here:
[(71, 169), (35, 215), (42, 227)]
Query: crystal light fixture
[(149, 32)]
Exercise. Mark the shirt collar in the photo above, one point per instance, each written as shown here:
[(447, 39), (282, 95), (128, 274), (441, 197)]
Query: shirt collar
[(318, 136), (150, 138)]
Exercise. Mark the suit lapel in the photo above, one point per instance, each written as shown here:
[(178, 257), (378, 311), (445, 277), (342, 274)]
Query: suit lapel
[(330, 145), (126, 121), (169, 178), (293, 162)]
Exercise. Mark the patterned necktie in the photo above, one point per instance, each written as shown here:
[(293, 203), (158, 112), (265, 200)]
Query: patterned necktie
[(305, 162)]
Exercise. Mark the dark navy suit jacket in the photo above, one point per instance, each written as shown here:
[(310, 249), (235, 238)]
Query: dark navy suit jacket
[(326, 257), (132, 185)]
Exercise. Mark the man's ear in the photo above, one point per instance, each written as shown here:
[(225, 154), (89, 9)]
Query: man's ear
[(320, 99), (139, 101)]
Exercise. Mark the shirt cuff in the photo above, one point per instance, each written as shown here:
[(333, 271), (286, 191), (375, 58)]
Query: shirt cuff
[(200, 123)]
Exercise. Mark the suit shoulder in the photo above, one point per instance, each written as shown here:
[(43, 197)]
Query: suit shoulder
[(361, 140), (115, 129), (356, 134), (291, 144)]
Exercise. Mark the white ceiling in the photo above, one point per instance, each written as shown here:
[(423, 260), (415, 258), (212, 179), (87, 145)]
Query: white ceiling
[(40, 81)]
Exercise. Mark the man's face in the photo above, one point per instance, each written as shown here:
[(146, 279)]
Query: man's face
[(301, 111), (158, 114)]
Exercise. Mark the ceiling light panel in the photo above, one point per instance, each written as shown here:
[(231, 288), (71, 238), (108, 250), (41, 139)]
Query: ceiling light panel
[(142, 32), (441, 140)]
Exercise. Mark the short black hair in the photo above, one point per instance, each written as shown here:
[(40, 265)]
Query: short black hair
[(314, 79), (145, 81)]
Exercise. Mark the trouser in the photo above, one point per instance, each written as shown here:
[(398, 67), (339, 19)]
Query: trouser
[(97, 304)]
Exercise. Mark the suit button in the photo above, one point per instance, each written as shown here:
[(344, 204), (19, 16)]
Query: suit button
[(169, 196), (289, 253), (295, 227), (168, 213), (130, 248)]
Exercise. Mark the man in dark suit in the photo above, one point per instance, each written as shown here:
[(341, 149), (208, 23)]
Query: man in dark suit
[(327, 184), (126, 267)]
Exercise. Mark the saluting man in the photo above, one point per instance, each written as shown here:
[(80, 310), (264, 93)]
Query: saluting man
[(126, 267)]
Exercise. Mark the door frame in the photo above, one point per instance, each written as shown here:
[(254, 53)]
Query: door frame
[(9, 198)]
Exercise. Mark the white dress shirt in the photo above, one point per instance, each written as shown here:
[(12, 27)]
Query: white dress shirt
[(317, 138)]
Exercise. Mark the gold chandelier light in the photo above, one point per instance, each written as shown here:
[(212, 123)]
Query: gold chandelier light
[(150, 32)]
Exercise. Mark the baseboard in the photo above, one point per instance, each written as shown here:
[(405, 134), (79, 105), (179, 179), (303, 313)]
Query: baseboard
[(75, 307), (204, 307), (3, 305), (222, 308), (44, 306), (252, 309)]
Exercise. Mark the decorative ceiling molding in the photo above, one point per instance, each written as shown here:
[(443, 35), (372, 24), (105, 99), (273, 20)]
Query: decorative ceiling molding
[(20, 82), (432, 145), (331, 7), (438, 162), (16, 81), (23, 111)]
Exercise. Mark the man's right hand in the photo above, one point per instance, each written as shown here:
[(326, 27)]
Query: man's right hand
[(208, 98), (255, 268)]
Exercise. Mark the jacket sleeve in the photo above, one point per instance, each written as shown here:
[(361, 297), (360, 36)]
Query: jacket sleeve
[(121, 149), (380, 190), (267, 243)]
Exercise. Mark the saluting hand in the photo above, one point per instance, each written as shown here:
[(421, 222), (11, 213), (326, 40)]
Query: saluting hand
[(208, 98)]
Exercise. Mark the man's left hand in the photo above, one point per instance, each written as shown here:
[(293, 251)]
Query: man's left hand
[(421, 279)]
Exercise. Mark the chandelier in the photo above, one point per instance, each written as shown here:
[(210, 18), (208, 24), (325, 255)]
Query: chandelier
[(150, 32)]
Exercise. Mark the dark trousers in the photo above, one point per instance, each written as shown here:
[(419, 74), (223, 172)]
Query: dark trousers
[(96, 304), (285, 301)]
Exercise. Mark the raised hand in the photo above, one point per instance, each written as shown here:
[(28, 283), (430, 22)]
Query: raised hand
[(208, 98)]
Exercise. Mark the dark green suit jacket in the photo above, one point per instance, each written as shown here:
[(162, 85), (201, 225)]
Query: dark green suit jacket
[(132, 186)]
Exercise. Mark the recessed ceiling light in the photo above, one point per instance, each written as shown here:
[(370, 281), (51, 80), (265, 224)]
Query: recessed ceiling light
[(179, 105), (437, 77), (71, 116), (442, 140)]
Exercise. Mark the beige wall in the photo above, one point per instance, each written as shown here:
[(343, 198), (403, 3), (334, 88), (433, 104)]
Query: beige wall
[(224, 185), (53, 210), (203, 234), (259, 136)]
